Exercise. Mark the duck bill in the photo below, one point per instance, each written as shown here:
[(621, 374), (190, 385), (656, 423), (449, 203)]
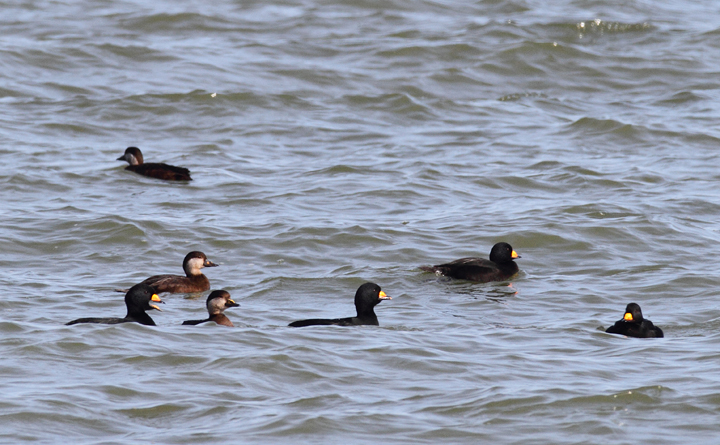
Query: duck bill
[(628, 316), (384, 296), (514, 255), (121, 158), (231, 303), (156, 298), (208, 263)]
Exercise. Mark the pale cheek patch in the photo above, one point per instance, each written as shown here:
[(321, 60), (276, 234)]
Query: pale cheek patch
[(132, 160), (195, 264), (216, 306)]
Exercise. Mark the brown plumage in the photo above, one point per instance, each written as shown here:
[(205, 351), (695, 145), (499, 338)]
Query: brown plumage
[(193, 281), (156, 170), (217, 302)]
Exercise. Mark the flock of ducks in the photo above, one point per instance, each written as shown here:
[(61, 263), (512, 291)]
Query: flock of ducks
[(500, 266)]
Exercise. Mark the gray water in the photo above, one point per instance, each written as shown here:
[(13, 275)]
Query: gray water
[(333, 143)]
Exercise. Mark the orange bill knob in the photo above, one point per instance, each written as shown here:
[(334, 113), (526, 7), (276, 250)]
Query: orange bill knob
[(156, 298)]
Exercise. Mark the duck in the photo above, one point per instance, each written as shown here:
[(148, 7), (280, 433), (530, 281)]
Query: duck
[(193, 281), (500, 267), (366, 298), (137, 301), (217, 302), (634, 325), (156, 170)]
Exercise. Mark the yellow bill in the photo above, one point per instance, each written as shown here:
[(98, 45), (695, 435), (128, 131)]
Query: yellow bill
[(156, 298)]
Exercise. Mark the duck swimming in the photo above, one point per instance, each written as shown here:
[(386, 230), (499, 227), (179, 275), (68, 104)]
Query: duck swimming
[(134, 157), (137, 300), (634, 325), (366, 298), (193, 281), (217, 302), (500, 267)]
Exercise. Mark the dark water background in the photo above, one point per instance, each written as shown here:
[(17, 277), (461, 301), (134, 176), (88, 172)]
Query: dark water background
[(334, 143)]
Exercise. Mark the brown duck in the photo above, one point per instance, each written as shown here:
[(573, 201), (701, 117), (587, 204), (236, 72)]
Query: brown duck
[(217, 302), (156, 170)]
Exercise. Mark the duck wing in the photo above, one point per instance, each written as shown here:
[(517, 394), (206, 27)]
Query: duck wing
[(475, 269), (161, 282), (162, 171)]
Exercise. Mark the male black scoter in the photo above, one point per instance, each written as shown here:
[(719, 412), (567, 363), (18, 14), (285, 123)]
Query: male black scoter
[(156, 170), (500, 267), (194, 281), (634, 325), (217, 302), (366, 298), (137, 300)]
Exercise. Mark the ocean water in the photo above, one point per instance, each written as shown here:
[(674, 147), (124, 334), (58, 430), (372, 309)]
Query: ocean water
[(334, 143)]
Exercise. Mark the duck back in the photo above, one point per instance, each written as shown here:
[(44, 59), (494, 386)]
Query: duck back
[(161, 171), (177, 284)]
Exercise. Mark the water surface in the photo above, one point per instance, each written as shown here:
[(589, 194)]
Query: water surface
[(333, 143)]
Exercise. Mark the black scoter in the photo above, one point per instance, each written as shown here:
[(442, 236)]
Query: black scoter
[(217, 302), (366, 298), (634, 325), (156, 170), (137, 300), (193, 281), (500, 267)]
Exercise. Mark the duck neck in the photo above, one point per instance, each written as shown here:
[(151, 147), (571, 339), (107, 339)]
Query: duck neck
[(510, 266), (367, 314), (140, 317), (199, 280), (221, 319), (190, 273)]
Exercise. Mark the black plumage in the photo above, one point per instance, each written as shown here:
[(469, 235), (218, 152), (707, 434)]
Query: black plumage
[(500, 267), (137, 301), (634, 325), (366, 298)]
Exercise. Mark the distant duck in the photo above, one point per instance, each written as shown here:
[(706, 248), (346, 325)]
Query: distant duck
[(134, 157), (634, 325), (366, 298), (137, 301), (217, 302), (500, 267)]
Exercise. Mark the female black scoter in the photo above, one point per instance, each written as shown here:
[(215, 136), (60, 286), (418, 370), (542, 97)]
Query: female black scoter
[(137, 300), (366, 298), (500, 267), (193, 281), (634, 325), (134, 157), (217, 302)]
